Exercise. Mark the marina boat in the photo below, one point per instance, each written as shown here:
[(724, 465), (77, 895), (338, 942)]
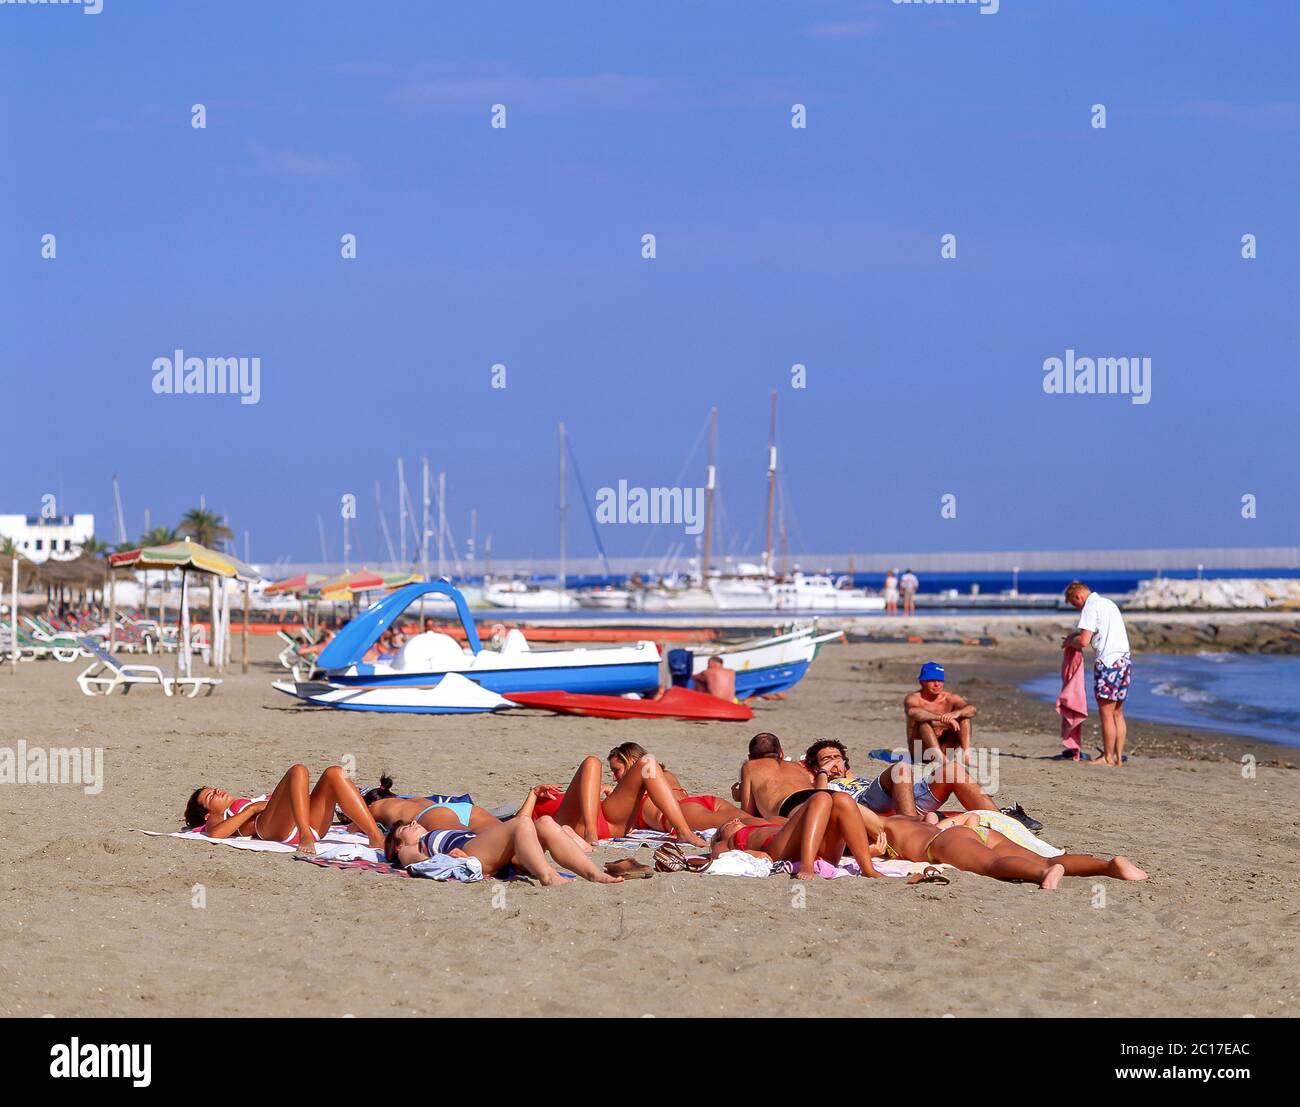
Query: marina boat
[(605, 599), (764, 666), (519, 596), (817, 592), (414, 674)]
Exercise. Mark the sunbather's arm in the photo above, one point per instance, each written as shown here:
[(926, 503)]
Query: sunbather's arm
[(526, 808), (227, 828)]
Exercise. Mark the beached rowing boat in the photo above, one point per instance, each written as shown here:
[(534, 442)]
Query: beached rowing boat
[(765, 666)]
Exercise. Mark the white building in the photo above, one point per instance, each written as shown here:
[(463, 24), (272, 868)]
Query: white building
[(40, 539)]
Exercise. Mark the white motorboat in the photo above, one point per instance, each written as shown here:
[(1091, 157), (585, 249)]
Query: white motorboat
[(817, 592)]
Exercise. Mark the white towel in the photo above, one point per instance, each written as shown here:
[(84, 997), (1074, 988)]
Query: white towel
[(337, 845)]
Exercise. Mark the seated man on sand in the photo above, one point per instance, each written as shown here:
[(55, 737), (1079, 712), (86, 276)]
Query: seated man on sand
[(717, 680), (937, 719), (898, 790)]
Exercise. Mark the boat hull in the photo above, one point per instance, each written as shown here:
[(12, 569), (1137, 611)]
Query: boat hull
[(589, 679), (453, 695), (676, 703)]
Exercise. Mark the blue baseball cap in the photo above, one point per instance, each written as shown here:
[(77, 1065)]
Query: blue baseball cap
[(931, 670)]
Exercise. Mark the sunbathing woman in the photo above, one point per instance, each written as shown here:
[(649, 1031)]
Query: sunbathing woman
[(982, 850), (595, 816), (290, 814), (701, 812), (389, 809), (520, 842), (826, 826)]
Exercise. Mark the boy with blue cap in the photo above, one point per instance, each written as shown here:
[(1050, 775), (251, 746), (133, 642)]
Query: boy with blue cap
[(937, 719)]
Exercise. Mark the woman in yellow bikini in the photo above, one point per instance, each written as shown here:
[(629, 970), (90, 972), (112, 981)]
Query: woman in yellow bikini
[(964, 844)]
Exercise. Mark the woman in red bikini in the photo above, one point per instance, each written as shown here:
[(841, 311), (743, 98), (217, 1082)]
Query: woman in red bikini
[(701, 812), (290, 814), (596, 813), (827, 826)]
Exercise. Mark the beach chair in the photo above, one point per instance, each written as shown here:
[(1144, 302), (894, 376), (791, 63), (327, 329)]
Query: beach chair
[(105, 673)]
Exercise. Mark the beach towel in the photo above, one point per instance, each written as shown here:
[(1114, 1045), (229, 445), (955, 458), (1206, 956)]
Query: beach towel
[(383, 868), (635, 839), (1018, 833), (337, 845), (1072, 703)]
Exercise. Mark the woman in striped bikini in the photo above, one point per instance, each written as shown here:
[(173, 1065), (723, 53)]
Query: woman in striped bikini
[(291, 814), (519, 841)]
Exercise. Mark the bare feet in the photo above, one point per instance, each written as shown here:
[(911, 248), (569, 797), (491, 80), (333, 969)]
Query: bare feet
[(806, 872), (550, 878), (1121, 868), (1052, 880), (599, 877)]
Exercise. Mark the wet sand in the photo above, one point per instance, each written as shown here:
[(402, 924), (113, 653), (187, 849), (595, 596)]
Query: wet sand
[(100, 920)]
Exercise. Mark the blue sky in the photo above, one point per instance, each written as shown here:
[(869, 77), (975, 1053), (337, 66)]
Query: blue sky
[(775, 246)]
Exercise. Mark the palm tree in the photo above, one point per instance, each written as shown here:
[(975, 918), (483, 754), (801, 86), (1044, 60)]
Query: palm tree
[(94, 547), (158, 536), (205, 527)]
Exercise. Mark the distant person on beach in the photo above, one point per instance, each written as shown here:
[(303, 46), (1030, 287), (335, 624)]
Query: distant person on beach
[(891, 593), (908, 586), (1101, 626), (937, 719), (717, 680)]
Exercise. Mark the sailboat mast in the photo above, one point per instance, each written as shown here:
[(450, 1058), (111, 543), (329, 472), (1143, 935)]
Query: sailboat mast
[(768, 561), (710, 483), (563, 509), (401, 510), (424, 519), (442, 523)]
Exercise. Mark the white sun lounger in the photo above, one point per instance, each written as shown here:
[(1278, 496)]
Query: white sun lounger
[(106, 673)]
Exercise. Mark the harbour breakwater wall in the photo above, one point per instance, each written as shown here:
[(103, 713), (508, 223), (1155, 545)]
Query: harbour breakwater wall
[(1174, 632)]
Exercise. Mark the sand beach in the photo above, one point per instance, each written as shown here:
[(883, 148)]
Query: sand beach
[(100, 919)]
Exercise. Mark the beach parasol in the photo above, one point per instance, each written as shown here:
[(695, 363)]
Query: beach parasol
[(188, 557), (301, 585)]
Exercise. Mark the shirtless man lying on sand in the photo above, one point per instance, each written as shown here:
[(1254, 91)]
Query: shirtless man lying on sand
[(771, 786)]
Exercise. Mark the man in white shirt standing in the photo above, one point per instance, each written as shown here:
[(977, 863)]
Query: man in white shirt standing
[(1101, 626)]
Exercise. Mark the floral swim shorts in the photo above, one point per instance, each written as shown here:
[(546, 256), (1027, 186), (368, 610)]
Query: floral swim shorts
[(1110, 682)]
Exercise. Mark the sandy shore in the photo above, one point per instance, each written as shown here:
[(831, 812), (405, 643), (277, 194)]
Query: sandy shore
[(99, 920)]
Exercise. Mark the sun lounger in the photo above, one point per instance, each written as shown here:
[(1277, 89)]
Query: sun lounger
[(106, 673)]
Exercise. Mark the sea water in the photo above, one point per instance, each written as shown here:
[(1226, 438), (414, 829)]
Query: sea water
[(1252, 695)]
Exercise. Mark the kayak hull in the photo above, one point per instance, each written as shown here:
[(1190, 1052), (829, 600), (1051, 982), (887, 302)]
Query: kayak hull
[(676, 703)]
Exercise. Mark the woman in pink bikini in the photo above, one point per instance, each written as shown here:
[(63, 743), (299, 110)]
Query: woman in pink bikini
[(291, 814)]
